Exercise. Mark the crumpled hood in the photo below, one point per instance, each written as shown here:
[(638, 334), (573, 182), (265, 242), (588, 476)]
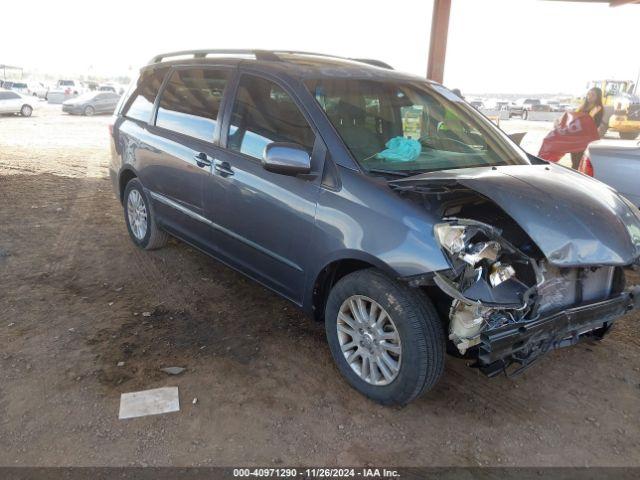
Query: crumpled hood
[(573, 219)]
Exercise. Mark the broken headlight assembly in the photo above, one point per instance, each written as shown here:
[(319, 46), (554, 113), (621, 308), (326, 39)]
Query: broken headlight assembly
[(483, 280)]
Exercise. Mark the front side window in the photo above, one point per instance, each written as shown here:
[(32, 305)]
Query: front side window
[(410, 127), (190, 102), (145, 95), (264, 113)]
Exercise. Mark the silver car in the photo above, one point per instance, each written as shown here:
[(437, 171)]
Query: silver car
[(13, 102), (616, 163), (92, 103)]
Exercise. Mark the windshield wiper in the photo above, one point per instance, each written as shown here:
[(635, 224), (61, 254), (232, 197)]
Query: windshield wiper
[(397, 173)]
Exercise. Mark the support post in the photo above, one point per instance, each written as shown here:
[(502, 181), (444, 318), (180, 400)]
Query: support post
[(438, 44)]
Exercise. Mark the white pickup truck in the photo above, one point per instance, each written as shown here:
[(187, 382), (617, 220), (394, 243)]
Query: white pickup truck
[(616, 163), (64, 90)]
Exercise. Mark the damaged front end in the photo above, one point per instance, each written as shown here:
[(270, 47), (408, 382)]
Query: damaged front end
[(537, 256), (513, 307)]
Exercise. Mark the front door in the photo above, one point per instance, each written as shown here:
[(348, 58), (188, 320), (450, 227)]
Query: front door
[(262, 220)]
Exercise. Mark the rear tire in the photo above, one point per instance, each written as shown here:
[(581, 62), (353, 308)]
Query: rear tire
[(628, 135), (525, 114), (26, 111), (138, 215), (413, 321)]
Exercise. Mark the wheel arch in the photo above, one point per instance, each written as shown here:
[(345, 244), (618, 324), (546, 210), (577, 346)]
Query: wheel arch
[(125, 176), (332, 271)]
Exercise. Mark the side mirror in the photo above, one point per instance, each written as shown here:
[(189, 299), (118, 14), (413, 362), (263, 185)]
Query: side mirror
[(517, 137), (286, 159)]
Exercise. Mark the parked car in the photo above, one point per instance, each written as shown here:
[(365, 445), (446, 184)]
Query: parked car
[(541, 107), (522, 107), (107, 88), (20, 87), (38, 89), (556, 106), (13, 102), (405, 237), (91, 103), (616, 163), (64, 90), (70, 86), (89, 86)]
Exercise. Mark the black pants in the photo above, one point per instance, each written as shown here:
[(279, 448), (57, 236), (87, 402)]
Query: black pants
[(575, 159)]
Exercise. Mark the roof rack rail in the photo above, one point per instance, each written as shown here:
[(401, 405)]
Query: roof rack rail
[(374, 62), (368, 61), (269, 55), (259, 54)]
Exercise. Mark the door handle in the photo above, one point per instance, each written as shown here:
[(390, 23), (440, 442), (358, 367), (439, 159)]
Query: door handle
[(202, 159), (222, 168)]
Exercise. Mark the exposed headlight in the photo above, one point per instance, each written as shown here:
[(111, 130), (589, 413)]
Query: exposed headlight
[(481, 251), (500, 273), (456, 239), (450, 237)]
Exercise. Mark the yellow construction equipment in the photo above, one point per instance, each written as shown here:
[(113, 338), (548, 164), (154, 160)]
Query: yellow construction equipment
[(621, 107)]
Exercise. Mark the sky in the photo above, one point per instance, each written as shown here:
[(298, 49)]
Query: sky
[(507, 46)]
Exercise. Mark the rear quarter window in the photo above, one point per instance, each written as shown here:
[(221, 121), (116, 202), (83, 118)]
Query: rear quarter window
[(191, 100), (141, 103)]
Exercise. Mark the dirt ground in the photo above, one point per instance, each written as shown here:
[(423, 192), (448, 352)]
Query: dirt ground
[(73, 290)]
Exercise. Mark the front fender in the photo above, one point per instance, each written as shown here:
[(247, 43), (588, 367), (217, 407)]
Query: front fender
[(368, 222)]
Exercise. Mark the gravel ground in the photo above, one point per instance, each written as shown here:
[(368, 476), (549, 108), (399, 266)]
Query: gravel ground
[(73, 293)]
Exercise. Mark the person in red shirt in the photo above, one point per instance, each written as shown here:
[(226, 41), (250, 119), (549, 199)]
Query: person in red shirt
[(591, 105)]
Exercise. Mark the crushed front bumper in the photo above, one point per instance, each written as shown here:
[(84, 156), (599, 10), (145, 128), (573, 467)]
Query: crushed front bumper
[(524, 342)]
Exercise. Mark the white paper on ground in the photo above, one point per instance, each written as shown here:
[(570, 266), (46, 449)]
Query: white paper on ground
[(149, 402)]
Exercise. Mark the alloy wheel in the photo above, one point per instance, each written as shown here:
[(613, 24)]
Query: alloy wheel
[(137, 214), (369, 340)]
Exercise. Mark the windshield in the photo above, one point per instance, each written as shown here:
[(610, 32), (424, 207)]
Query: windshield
[(409, 128)]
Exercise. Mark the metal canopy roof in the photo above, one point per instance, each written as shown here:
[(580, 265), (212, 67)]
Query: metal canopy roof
[(612, 3), (440, 32)]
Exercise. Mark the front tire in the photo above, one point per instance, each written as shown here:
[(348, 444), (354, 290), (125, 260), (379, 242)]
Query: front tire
[(386, 338), (26, 111), (141, 224), (89, 111)]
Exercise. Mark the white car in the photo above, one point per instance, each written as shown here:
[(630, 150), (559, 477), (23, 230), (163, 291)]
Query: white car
[(616, 163), (38, 89), (64, 90), (13, 102)]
